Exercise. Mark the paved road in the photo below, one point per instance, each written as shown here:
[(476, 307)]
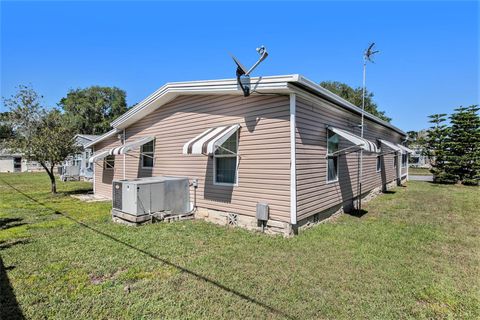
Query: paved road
[(420, 178)]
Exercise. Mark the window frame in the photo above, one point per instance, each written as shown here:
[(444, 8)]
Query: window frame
[(379, 164), (236, 156), (106, 161), (328, 157), (142, 153), (404, 156)]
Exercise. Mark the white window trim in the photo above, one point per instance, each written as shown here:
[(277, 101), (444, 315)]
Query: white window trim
[(379, 158), (406, 160), (143, 154), (326, 158), (105, 167), (214, 156), (336, 179)]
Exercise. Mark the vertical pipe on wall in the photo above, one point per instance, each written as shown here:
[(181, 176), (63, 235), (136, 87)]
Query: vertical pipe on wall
[(94, 171), (124, 155), (293, 161)]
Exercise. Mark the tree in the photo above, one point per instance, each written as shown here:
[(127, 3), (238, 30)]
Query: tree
[(6, 130), (90, 110), (463, 145), (436, 143), (354, 96), (40, 135)]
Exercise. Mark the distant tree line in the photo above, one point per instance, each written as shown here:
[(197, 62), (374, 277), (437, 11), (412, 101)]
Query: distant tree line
[(454, 148), (354, 96)]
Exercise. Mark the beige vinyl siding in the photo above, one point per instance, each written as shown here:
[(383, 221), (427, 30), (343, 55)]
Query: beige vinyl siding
[(104, 178), (264, 148), (314, 194)]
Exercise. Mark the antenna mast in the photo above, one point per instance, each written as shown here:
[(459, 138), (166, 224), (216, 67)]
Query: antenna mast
[(367, 56)]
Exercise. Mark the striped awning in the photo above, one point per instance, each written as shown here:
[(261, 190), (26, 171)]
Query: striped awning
[(208, 141), (123, 149), (391, 145), (98, 156), (405, 149), (362, 143)]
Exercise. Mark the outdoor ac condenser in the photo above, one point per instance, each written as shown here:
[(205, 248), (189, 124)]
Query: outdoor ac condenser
[(145, 196)]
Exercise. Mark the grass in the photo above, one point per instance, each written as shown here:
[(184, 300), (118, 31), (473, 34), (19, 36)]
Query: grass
[(419, 171), (415, 254)]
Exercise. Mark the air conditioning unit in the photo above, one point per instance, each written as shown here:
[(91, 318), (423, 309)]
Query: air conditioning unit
[(145, 196)]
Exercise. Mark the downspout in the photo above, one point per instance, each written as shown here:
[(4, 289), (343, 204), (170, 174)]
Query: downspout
[(293, 162), (94, 171), (124, 155)]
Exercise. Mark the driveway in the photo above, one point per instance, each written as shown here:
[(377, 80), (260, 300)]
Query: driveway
[(420, 178)]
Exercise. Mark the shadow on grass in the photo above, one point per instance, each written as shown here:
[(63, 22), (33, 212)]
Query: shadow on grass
[(357, 213), (389, 192), (7, 223), (9, 308), (160, 259), (5, 245), (78, 191)]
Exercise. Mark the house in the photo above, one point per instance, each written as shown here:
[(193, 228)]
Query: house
[(418, 158), (291, 144), (77, 165), (16, 162)]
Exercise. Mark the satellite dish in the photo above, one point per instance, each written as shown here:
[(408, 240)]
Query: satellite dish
[(243, 75)]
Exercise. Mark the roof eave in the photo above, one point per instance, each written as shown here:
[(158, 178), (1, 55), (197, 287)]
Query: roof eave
[(102, 137), (344, 103), (170, 91)]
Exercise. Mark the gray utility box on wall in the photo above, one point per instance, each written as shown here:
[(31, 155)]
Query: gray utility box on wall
[(262, 211), (144, 196)]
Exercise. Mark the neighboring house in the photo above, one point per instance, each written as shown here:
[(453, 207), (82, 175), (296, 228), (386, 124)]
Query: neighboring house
[(418, 158), (292, 144), (16, 162), (77, 165)]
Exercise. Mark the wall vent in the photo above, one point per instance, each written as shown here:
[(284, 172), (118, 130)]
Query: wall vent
[(232, 219)]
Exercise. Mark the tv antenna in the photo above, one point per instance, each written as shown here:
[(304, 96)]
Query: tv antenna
[(367, 57), (243, 75)]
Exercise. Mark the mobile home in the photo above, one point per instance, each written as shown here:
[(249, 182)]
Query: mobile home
[(77, 166), (16, 162), (291, 145)]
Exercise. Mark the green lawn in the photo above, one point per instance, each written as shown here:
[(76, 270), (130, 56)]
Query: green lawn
[(419, 171), (415, 254)]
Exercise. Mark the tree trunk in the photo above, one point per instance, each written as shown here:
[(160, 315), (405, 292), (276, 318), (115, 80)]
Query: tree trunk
[(52, 179), (53, 183)]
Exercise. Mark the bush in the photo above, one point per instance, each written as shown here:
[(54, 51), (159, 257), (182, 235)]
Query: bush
[(471, 182), (445, 178)]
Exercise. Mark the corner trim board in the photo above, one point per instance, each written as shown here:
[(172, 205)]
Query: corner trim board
[(293, 161)]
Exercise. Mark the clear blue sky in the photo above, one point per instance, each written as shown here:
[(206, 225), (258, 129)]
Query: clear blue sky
[(429, 60)]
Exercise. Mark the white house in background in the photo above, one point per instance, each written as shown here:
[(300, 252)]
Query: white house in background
[(418, 159), (77, 165), (16, 162)]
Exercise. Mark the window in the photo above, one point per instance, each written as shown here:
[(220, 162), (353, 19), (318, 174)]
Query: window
[(332, 160), (404, 160), (379, 163), (147, 152), (109, 162), (395, 161), (225, 161), (88, 154)]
